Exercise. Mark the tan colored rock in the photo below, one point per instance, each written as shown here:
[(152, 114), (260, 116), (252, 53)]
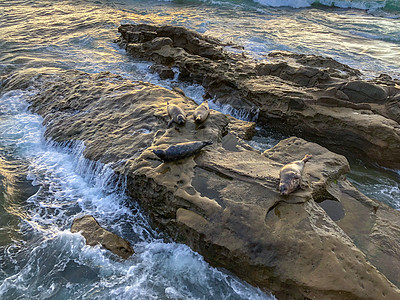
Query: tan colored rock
[(94, 235), (224, 202), (373, 226), (310, 96)]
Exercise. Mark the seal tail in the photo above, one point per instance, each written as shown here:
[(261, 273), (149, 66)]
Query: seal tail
[(307, 158)]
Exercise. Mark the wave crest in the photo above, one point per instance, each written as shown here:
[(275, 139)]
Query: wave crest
[(390, 5)]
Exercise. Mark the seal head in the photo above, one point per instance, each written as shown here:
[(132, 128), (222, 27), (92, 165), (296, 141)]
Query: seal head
[(160, 153), (289, 182), (180, 119)]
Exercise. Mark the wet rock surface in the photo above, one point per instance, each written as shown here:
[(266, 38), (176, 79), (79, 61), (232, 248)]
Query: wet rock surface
[(94, 235), (223, 202), (309, 96)]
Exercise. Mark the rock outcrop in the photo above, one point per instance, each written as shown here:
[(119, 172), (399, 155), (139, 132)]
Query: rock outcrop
[(309, 96), (94, 235), (224, 202)]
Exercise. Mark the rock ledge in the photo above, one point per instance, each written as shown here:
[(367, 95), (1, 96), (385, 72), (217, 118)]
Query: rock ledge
[(224, 201)]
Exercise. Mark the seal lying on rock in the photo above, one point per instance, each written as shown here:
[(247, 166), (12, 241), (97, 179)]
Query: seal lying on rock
[(181, 150), (290, 175), (201, 112), (176, 113)]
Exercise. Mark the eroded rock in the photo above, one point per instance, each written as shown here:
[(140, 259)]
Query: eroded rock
[(94, 235), (364, 92), (223, 202), (305, 95)]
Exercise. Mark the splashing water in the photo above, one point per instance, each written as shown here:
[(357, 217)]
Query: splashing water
[(48, 261), (39, 257)]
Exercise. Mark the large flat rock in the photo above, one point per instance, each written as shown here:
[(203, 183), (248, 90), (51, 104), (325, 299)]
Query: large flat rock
[(308, 96), (224, 201)]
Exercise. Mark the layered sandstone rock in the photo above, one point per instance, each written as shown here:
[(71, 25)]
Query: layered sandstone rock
[(94, 235), (310, 96), (224, 201)]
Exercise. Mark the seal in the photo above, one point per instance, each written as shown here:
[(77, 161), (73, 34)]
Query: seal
[(290, 175), (181, 150), (176, 114), (201, 112)]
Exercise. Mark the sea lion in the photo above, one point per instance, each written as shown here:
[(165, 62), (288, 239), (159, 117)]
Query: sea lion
[(290, 175), (201, 112), (181, 150), (176, 114)]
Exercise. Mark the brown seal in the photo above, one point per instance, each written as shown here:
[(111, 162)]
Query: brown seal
[(181, 150), (176, 114), (201, 112), (290, 175)]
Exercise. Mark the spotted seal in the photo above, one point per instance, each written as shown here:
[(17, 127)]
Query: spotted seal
[(290, 175), (201, 112), (176, 114), (181, 150)]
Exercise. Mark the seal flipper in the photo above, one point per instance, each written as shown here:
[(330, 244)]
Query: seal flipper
[(170, 122), (307, 158)]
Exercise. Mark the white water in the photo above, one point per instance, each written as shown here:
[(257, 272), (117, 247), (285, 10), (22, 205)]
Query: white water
[(47, 261), (51, 262), (358, 4)]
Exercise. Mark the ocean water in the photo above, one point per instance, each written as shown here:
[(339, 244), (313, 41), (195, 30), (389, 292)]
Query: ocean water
[(42, 259), (44, 186)]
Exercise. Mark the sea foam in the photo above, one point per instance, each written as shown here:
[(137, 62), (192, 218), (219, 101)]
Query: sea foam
[(358, 4), (51, 262)]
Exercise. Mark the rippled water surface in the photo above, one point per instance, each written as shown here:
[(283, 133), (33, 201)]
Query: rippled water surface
[(45, 186)]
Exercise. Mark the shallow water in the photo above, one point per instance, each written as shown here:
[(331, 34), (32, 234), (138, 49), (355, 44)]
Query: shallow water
[(45, 186), (378, 183)]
